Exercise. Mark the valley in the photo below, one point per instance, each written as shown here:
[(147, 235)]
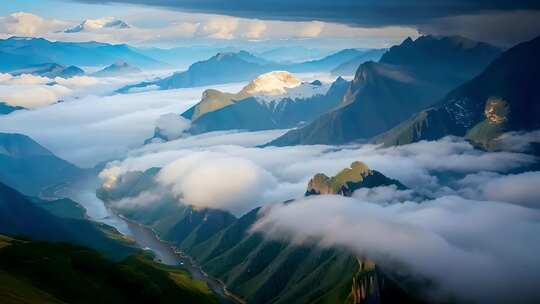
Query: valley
[(269, 152), (84, 192)]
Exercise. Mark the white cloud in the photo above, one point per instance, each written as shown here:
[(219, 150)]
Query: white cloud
[(384, 195), (8, 79), (310, 29), (172, 125), (413, 164), (479, 251), (144, 199), (27, 24), (221, 27), (32, 91), (255, 30), (517, 141), (179, 27), (92, 129), (521, 189), (210, 180), (32, 96)]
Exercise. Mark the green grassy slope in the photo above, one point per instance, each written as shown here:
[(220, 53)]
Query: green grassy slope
[(42, 272)]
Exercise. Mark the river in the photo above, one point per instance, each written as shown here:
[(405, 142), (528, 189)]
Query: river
[(84, 193)]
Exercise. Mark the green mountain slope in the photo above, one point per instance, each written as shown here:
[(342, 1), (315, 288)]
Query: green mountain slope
[(41, 272), (254, 267), (348, 180), (60, 220), (250, 113)]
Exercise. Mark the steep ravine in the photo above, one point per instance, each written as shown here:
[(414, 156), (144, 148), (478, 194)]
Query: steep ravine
[(256, 268)]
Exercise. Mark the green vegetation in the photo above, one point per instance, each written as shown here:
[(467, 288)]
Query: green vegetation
[(59, 220), (348, 180), (42, 272), (253, 267)]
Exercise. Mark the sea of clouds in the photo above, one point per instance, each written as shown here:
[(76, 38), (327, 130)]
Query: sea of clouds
[(469, 221)]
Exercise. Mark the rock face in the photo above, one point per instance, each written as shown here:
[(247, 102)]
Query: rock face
[(504, 97), (348, 180), (20, 52)]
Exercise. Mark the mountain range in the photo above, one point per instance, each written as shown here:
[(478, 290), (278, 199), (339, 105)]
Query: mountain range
[(502, 98), (118, 68), (57, 220), (50, 70), (20, 52), (407, 79), (348, 68), (258, 269), (29, 167), (271, 101), (218, 69), (348, 180), (326, 63), (221, 68), (44, 272)]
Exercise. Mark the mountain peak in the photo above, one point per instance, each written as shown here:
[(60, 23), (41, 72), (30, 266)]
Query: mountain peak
[(345, 182), (95, 24), (272, 83), (118, 68), (450, 51)]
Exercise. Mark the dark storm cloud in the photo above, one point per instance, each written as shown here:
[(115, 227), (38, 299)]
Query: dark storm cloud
[(370, 13)]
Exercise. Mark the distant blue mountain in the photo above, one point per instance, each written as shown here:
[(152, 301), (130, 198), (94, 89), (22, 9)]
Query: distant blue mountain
[(294, 54), (29, 167), (19, 52), (349, 68), (50, 70), (327, 63), (117, 69), (7, 108), (184, 56), (239, 66), (221, 68)]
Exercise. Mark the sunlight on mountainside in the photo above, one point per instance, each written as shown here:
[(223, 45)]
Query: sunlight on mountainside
[(269, 152)]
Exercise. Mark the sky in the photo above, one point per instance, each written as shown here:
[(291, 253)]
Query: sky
[(317, 23)]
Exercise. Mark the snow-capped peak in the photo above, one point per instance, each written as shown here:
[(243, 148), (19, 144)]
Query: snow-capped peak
[(96, 24), (272, 83), (303, 91)]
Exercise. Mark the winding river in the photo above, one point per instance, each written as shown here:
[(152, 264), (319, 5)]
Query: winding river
[(85, 194)]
